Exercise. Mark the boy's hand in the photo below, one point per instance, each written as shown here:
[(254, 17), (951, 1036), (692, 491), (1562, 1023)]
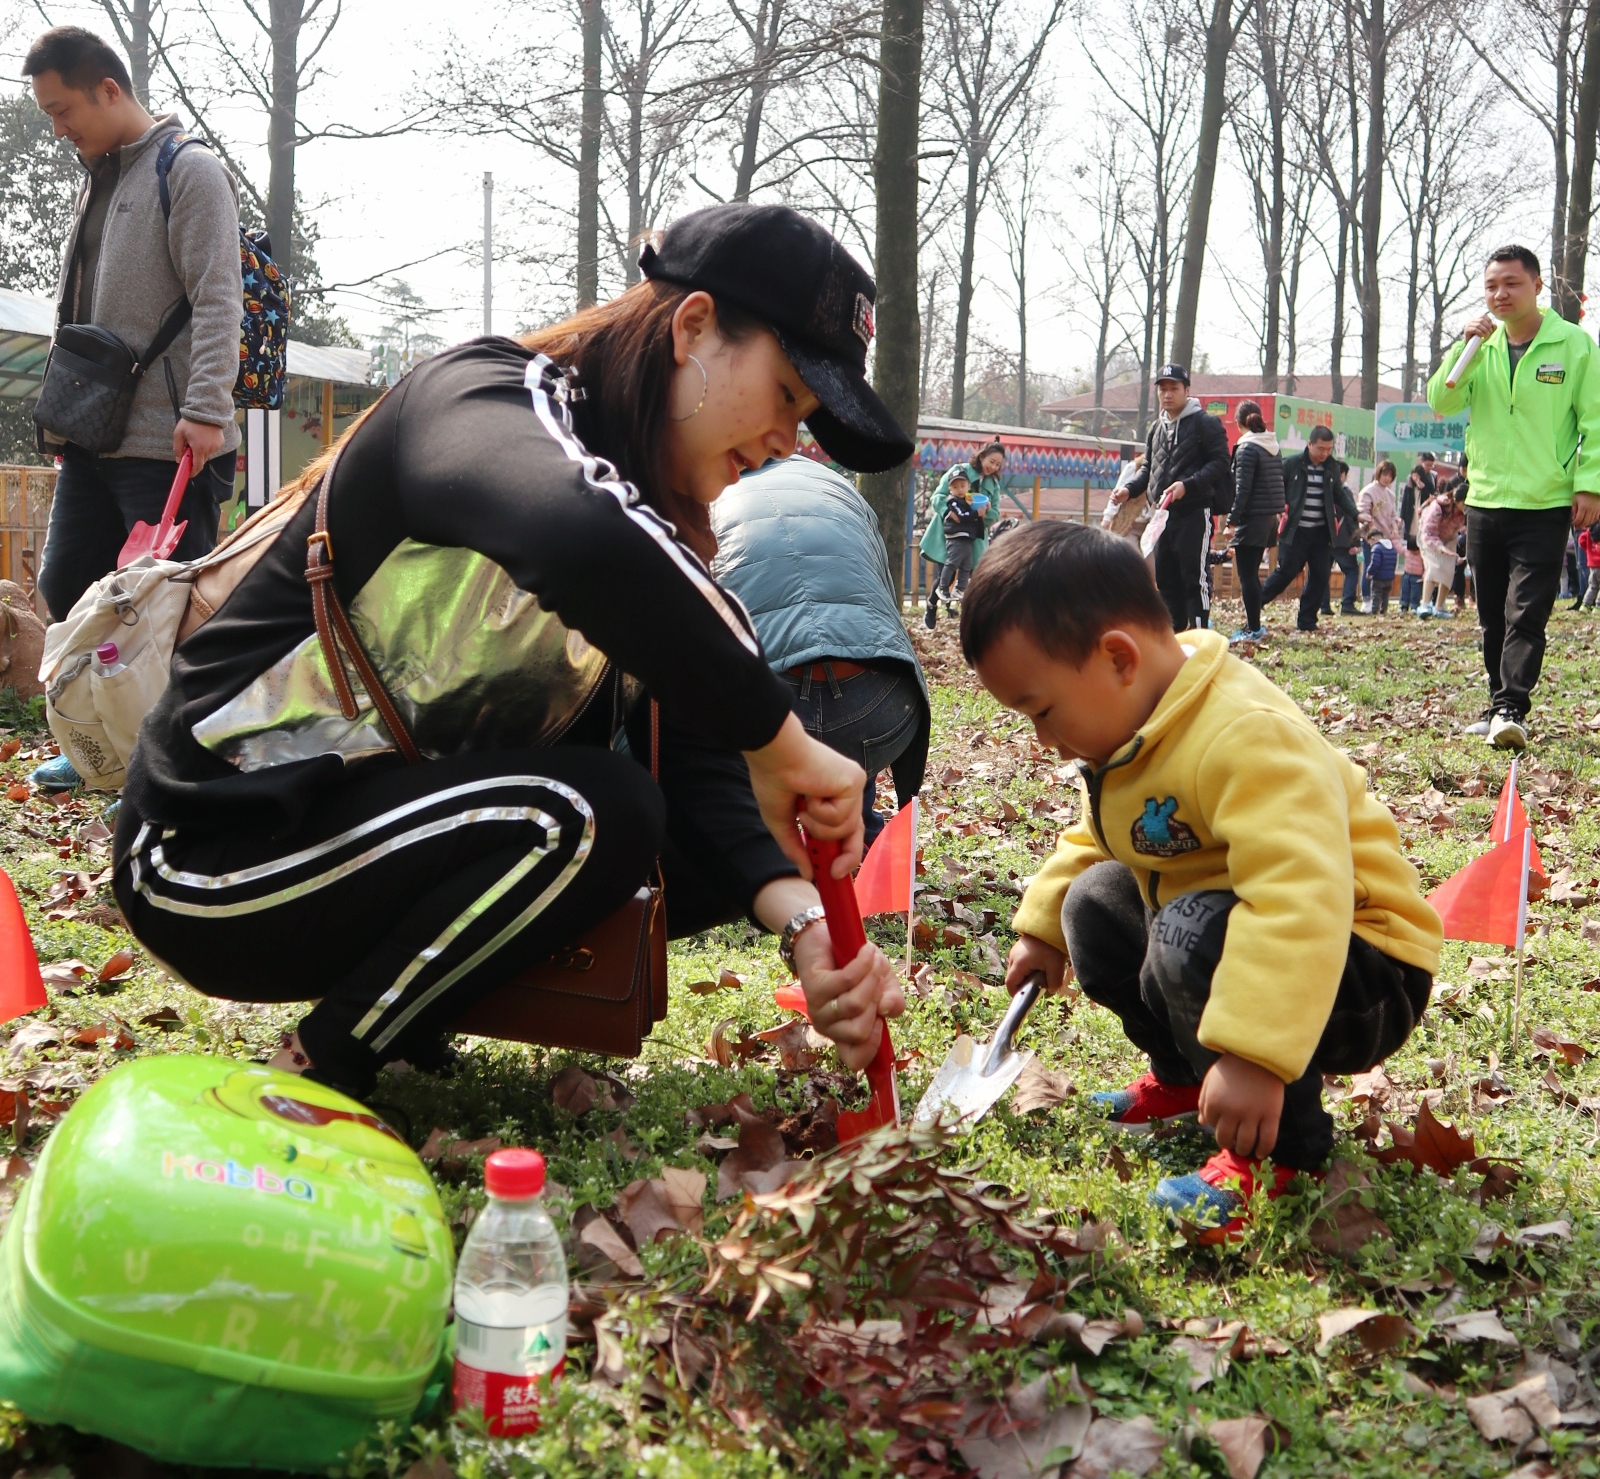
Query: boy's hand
[(1031, 954), (1241, 1103)]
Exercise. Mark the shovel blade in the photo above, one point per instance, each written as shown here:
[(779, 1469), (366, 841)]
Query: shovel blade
[(962, 1091), (147, 539)]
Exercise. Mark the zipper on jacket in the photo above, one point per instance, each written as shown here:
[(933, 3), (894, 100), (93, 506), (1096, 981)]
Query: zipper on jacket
[(1094, 780)]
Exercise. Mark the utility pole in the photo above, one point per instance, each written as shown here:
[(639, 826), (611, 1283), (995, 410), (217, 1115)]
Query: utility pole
[(488, 252)]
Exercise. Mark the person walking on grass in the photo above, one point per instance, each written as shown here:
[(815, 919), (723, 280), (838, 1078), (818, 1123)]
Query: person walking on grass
[(1346, 540), (983, 477), (1533, 441), (1316, 506), (1185, 468), (128, 268), (1443, 518), (1589, 548), (1379, 519), (1257, 507)]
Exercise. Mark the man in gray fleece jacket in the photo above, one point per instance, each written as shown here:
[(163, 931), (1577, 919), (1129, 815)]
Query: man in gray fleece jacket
[(125, 268)]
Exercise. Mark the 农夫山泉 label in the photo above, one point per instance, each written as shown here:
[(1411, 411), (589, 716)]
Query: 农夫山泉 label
[(504, 1372)]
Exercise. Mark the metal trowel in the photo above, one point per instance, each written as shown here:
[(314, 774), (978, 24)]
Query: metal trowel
[(975, 1075)]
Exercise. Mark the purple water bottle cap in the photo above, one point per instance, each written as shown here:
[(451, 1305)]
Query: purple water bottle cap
[(106, 652)]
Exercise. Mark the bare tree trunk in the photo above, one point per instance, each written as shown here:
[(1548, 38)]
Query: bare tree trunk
[(1272, 85), (927, 333), (588, 265), (769, 17), (1372, 202), (969, 247), (1148, 360), (1560, 114), (1022, 329), (894, 168), (1336, 336), (130, 19), (1219, 42), (285, 17), (1569, 284), (635, 180)]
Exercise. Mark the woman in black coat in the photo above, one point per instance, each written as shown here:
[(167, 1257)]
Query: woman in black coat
[(1258, 506)]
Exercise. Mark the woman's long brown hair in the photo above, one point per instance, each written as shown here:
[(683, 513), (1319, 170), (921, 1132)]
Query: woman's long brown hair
[(622, 353)]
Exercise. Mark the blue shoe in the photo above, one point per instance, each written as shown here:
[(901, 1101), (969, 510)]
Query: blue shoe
[(56, 775), (1147, 1102), (1244, 634), (1210, 1203)]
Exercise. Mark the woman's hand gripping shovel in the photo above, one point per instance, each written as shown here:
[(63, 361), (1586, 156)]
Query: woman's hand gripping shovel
[(847, 935), (163, 538), (975, 1075)]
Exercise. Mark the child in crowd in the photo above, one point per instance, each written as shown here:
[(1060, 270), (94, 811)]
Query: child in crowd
[(1444, 516), (963, 526), (1380, 527), (1232, 890), (1589, 548), (1411, 577)]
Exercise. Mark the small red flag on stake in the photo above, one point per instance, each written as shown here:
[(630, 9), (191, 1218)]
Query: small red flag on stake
[(1511, 821), (21, 987), (1481, 901), (883, 886)]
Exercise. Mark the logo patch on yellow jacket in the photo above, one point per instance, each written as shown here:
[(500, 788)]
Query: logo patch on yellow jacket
[(1159, 834)]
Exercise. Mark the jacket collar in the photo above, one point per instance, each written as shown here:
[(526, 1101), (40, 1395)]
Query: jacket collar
[(1548, 330), (1190, 408), (171, 123), (1210, 650)]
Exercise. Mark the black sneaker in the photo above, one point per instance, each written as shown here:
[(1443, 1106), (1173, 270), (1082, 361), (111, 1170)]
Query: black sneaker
[(930, 617)]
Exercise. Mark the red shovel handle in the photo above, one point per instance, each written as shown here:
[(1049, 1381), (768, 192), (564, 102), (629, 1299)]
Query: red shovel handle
[(180, 485), (847, 935)]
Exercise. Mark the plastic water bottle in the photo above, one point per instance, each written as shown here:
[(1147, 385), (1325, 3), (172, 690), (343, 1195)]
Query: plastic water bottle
[(511, 1299), (107, 660)]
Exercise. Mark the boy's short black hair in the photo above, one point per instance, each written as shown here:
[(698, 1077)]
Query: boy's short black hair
[(1320, 434), (1514, 254), (82, 58), (1061, 584)]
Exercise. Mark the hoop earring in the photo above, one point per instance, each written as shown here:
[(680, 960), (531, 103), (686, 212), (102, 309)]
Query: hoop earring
[(705, 385)]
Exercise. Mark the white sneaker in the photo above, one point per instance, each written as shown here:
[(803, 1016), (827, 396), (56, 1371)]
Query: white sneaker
[(1506, 733), (1480, 727)]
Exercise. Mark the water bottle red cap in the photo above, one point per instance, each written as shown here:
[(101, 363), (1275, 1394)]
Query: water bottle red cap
[(106, 652), (514, 1174)]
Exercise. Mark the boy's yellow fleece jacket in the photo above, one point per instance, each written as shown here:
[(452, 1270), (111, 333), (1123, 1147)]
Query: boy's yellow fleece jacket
[(1229, 786)]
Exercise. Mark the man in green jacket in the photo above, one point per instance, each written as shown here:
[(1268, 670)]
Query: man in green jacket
[(1534, 447)]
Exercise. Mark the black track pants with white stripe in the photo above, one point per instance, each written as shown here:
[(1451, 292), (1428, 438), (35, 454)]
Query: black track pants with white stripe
[(408, 894), (1181, 570)]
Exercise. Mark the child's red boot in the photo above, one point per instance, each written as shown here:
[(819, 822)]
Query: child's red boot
[(1147, 1103), (1213, 1201)]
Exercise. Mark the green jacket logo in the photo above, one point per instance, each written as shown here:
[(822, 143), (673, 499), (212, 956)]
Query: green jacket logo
[(1551, 374)]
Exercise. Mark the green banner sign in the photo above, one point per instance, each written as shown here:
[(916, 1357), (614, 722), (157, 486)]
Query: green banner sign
[(1409, 428), (1352, 427)]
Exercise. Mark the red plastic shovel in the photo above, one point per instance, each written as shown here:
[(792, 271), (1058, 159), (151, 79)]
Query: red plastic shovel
[(847, 935), (163, 539)]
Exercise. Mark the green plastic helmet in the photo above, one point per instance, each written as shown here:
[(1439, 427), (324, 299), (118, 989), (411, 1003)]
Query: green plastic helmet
[(218, 1263)]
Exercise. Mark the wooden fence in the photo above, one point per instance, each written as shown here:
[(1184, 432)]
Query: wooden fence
[(25, 494)]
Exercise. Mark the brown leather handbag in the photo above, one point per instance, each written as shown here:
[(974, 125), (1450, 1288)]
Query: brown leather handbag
[(600, 994)]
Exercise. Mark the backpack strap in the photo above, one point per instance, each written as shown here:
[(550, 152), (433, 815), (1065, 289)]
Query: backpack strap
[(172, 324), (334, 630), (171, 147)]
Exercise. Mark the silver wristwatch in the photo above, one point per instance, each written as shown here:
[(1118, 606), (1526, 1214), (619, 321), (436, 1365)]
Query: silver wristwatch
[(791, 931)]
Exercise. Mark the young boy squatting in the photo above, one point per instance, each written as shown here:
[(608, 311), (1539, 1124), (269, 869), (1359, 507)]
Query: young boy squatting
[(1232, 891)]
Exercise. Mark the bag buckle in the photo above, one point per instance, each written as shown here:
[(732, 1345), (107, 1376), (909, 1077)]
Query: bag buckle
[(322, 537), (574, 958)]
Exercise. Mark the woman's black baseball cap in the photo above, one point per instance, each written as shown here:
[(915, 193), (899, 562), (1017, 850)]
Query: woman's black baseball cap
[(791, 274)]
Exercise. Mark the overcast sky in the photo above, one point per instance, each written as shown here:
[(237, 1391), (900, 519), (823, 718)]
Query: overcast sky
[(385, 203)]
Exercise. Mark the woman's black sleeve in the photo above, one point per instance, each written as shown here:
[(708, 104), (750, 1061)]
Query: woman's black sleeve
[(1244, 472), (484, 460), (712, 815)]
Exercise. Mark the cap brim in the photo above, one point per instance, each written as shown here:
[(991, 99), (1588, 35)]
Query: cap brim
[(852, 425)]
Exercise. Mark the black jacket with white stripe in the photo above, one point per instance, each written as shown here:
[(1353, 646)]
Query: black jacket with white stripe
[(473, 451)]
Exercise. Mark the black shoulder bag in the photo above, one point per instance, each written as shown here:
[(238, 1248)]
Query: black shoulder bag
[(90, 380)]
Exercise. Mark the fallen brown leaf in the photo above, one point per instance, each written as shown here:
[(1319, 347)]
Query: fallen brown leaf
[(1547, 1042), (433, 1467), (1342, 1225), (18, 793), (1115, 1447), (9, 747), (760, 1163), (166, 1018), (1431, 1145), (574, 1091), (1244, 1443), (1516, 1414), (791, 1039), (1377, 1331), (119, 963), (1039, 1087), (1207, 1360), (65, 972), (121, 1038), (669, 1203), (1475, 1325), (606, 1241)]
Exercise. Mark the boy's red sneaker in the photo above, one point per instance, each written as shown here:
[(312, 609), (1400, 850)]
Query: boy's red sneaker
[(1147, 1101), (1213, 1199)]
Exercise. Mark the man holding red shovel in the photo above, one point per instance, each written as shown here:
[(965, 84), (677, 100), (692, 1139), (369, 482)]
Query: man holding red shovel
[(125, 269)]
